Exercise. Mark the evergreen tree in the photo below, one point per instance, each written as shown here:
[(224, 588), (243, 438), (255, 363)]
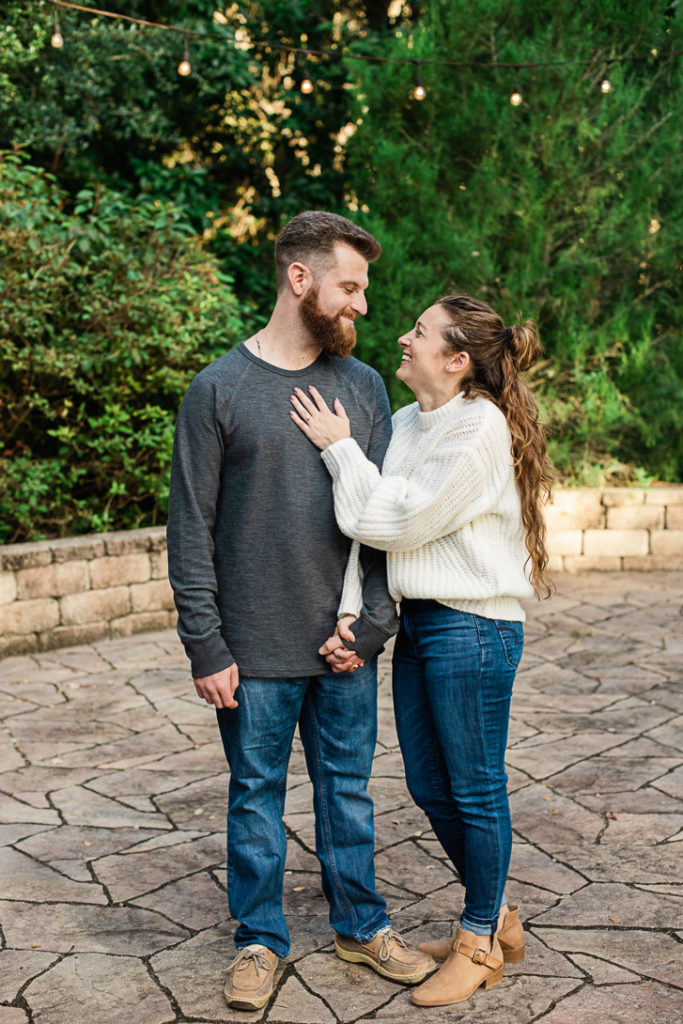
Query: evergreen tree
[(566, 208)]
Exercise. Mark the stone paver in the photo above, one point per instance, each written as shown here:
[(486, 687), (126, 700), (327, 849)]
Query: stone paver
[(112, 848)]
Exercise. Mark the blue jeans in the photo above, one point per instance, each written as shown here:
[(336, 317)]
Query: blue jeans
[(337, 716), (453, 676)]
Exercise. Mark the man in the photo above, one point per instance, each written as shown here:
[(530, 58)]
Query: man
[(256, 562)]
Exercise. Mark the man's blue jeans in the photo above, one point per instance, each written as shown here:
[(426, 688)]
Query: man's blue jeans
[(337, 716), (453, 676)]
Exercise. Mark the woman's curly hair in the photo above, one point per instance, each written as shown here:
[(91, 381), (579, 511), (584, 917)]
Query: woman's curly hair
[(498, 356)]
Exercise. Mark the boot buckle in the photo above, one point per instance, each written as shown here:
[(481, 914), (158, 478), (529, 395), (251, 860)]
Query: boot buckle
[(480, 956)]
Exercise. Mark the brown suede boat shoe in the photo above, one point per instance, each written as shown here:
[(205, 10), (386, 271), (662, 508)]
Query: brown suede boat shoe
[(251, 978), (388, 954)]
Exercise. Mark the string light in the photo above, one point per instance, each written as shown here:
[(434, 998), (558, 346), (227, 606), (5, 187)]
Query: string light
[(419, 92), (184, 68), (57, 39), (306, 83), (516, 97)]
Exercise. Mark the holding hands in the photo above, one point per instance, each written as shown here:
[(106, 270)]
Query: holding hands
[(317, 421), (337, 655)]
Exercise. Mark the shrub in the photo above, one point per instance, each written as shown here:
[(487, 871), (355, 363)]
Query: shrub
[(106, 311)]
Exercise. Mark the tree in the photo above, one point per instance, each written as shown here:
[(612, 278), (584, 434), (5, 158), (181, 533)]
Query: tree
[(563, 208), (235, 144)]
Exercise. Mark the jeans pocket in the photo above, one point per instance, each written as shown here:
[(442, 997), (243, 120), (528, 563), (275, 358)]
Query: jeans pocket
[(512, 641)]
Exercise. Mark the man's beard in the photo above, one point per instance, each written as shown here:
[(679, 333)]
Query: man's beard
[(331, 332)]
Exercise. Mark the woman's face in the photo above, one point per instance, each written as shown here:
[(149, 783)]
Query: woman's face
[(424, 354)]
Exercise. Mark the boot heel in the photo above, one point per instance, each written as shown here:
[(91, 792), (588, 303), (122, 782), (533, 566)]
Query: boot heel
[(513, 956), (494, 978)]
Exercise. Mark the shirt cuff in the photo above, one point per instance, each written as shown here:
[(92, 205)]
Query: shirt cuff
[(369, 640), (208, 656)]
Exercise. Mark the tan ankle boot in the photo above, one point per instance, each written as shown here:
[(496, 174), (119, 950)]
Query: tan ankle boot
[(466, 968), (510, 936), (438, 949)]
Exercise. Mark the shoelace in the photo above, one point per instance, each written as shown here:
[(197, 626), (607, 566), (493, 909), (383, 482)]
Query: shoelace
[(387, 938), (252, 955)]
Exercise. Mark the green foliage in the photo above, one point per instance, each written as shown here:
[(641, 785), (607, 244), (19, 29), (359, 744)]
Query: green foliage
[(106, 312), (111, 99), (564, 208), (235, 144)]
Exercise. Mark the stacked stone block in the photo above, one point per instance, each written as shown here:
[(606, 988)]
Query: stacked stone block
[(78, 590), (82, 589), (615, 528)]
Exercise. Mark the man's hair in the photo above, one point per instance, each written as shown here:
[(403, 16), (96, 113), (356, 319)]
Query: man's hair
[(310, 238)]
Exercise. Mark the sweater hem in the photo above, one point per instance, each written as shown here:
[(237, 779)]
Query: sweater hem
[(506, 608), (281, 675)]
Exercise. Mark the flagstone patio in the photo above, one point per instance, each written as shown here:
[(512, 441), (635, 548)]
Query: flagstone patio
[(112, 845)]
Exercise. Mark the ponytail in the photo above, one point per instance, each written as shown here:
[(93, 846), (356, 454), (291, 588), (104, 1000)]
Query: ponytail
[(499, 355)]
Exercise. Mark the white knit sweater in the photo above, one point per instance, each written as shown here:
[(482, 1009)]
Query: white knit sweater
[(445, 508)]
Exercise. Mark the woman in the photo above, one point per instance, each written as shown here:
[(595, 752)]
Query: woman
[(458, 509)]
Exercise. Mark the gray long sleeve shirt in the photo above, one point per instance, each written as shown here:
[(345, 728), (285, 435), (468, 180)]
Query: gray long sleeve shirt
[(256, 559)]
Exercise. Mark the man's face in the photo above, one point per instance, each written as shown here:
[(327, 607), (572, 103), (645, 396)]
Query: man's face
[(331, 304)]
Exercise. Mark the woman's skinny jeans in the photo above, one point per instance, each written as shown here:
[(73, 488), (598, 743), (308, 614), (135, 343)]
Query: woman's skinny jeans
[(453, 676)]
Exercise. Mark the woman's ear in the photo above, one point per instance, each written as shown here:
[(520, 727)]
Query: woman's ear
[(458, 363)]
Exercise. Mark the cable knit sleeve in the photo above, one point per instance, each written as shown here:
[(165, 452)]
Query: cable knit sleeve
[(351, 602), (454, 483)]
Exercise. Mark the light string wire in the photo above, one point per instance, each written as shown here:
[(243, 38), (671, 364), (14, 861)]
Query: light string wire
[(348, 55)]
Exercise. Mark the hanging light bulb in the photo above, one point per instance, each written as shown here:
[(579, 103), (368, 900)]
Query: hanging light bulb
[(516, 97), (184, 68), (419, 92), (306, 83), (57, 39), (605, 84)]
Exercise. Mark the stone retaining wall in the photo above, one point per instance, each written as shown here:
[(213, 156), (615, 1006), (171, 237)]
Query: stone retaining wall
[(616, 528), (56, 593), (82, 589)]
